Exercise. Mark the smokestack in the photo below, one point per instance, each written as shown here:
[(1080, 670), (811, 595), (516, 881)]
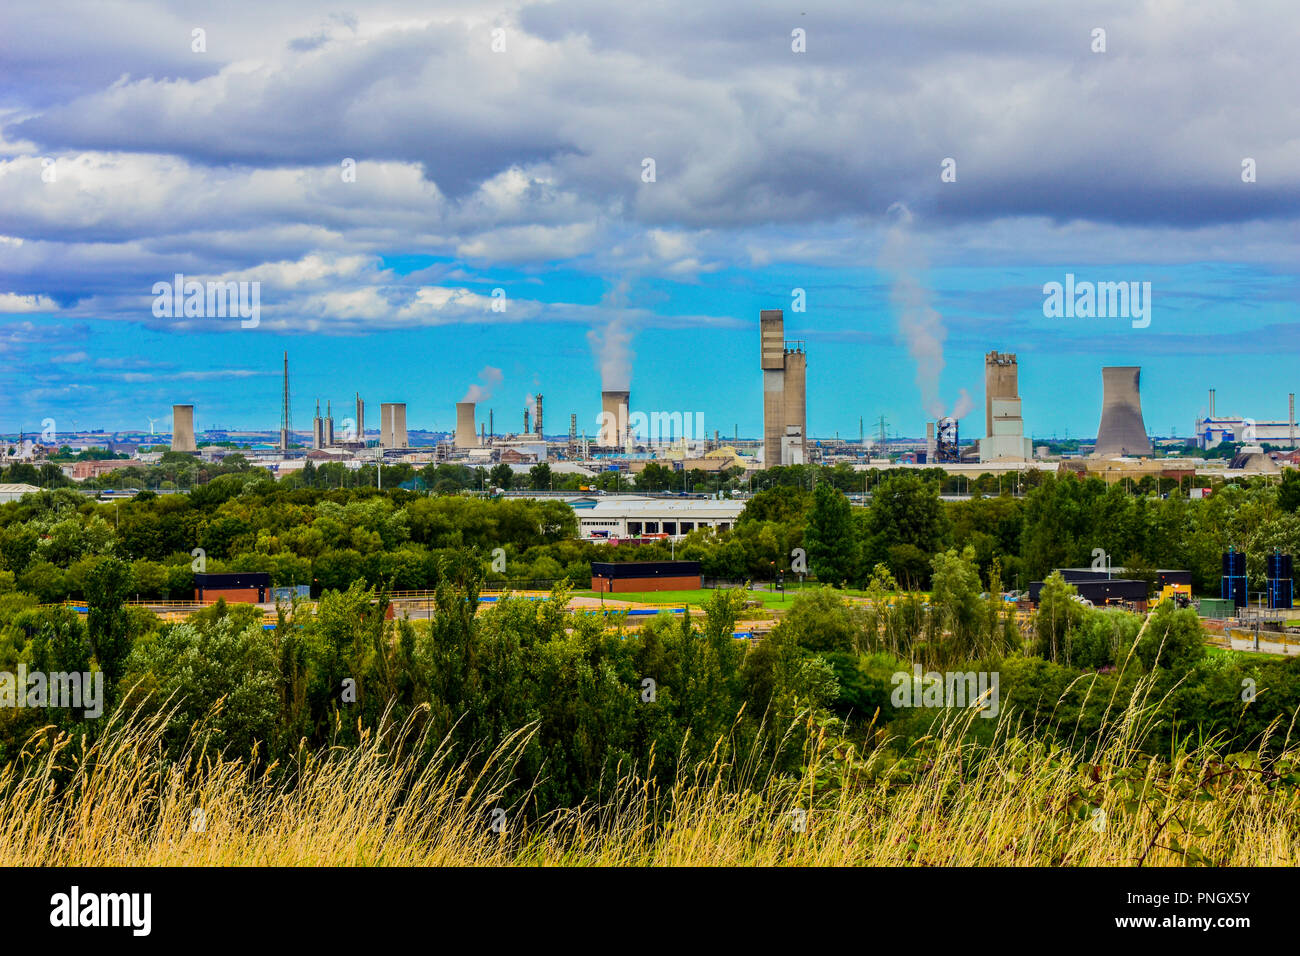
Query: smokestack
[(537, 418), (317, 428), (361, 420), (329, 425), (465, 436), (573, 435), (286, 428), (1122, 431), (527, 427), (492, 425), (1211, 403), (183, 428), (392, 425), (614, 420)]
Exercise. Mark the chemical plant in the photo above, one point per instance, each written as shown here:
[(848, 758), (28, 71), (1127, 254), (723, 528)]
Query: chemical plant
[(626, 440)]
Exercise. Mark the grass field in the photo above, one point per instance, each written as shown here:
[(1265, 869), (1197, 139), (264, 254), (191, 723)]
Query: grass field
[(1022, 803)]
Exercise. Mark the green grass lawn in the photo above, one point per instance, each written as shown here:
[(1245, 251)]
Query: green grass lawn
[(696, 598), (1214, 649)]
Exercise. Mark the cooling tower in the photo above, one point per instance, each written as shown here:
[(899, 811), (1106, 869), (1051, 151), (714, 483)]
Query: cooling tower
[(392, 425), (183, 428), (1121, 431), (614, 419), (466, 436)]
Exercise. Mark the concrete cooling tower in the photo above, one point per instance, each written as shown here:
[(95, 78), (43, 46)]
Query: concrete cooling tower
[(183, 428), (614, 419), (392, 425), (1122, 431), (466, 437)]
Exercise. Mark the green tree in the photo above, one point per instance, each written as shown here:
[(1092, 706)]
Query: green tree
[(107, 623), (540, 476), (956, 597), (828, 537)]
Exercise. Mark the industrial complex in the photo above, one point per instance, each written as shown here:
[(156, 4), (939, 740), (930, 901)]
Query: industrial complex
[(627, 440)]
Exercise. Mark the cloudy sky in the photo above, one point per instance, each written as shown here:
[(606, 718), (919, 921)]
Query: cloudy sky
[(920, 174)]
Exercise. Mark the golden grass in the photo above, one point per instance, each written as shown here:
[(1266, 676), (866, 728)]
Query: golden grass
[(119, 802)]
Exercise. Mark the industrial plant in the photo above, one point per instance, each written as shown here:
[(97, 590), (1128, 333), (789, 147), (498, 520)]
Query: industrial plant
[(626, 440)]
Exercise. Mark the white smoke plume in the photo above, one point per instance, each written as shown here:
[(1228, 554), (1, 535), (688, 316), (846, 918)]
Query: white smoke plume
[(920, 324), (611, 344), (489, 378)]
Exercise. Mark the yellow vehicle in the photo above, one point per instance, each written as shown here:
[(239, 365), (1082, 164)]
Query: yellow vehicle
[(1180, 594)]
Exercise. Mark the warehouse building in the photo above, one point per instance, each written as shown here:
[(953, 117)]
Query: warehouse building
[(628, 517), (242, 587), (632, 576)]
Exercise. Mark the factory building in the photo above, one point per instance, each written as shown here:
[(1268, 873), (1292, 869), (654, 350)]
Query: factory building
[(183, 428), (392, 425), (627, 517), (1122, 431), (785, 371), (1004, 428), (1212, 429)]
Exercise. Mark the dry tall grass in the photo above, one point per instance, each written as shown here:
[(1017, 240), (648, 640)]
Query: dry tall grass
[(1022, 803)]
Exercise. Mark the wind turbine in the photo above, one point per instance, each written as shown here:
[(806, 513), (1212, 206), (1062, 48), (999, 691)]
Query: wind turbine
[(151, 421)]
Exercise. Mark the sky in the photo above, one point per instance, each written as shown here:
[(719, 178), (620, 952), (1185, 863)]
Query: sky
[(438, 197)]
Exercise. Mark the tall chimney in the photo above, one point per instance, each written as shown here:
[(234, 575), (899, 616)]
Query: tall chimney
[(537, 418)]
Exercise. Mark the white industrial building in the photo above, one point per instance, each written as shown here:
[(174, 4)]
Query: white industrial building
[(12, 492), (624, 516), (1006, 438), (1212, 430)]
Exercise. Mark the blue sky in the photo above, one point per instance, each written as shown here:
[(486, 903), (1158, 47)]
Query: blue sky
[(520, 169)]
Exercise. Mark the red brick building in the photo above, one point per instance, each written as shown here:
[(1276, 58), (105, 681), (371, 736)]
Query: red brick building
[(242, 587), (624, 576)]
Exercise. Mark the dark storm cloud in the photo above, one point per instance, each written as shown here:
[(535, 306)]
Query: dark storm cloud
[(743, 130)]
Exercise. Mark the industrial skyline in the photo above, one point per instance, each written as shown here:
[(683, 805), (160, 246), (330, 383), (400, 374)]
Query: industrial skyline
[(902, 236)]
